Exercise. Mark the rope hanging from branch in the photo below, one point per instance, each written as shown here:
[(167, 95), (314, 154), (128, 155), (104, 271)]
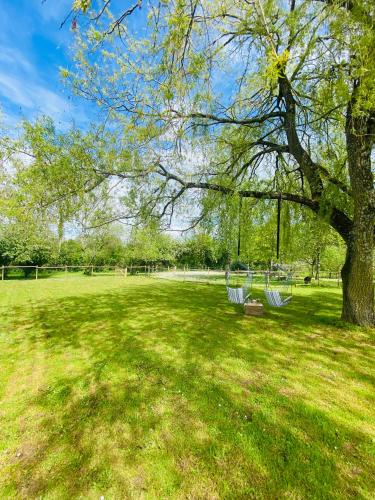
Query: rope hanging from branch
[(239, 230), (278, 227)]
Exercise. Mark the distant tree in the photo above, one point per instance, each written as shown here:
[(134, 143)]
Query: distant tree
[(102, 246), (332, 258), (54, 175), (26, 245), (71, 253), (309, 237), (200, 250), (148, 245), (5, 254)]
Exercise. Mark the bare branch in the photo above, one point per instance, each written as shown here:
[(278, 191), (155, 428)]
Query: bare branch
[(235, 121)]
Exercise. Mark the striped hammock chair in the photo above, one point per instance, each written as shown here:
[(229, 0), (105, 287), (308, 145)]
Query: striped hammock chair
[(239, 295), (274, 298)]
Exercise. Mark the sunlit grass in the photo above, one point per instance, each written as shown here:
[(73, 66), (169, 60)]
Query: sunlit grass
[(139, 388)]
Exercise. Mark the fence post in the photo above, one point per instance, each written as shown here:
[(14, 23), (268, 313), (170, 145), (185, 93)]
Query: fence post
[(36, 272), (2, 273), (92, 270), (126, 272), (66, 271)]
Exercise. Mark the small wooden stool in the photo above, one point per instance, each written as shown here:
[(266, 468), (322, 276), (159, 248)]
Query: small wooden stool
[(253, 309)]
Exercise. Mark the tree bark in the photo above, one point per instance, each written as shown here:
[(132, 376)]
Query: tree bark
[(358, 289), (317, 265), (357, 272)]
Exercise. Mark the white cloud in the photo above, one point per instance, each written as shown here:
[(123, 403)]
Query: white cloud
[(31, 48), (8, 121), (11, 89), (49, 102), (22, 90), (12, 56), (33, 96), (50, 10)]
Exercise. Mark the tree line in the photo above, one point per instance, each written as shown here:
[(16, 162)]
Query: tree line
[(314, 247)]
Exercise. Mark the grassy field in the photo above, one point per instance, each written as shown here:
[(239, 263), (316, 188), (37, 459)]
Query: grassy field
[(139, 388)]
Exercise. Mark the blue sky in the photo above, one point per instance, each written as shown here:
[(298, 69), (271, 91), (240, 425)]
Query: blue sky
[(32, 48)]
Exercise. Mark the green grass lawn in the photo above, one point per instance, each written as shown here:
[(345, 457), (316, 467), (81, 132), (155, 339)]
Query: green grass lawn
[(139, 388)]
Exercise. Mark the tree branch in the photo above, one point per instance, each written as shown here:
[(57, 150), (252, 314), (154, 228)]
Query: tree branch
[(234, 121)]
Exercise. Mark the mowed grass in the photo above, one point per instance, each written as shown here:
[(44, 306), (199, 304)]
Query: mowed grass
[(139, 388)]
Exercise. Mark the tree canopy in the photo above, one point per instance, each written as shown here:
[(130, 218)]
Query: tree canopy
[(253, 99)]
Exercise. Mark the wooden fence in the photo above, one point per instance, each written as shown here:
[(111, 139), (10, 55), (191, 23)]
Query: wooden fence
[(185, 272), (35, 271)]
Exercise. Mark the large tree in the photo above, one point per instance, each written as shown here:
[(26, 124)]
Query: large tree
[(253, 98), (52, 176)]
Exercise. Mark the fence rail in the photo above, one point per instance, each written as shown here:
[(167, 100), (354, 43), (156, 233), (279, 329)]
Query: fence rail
[(259, 276), (204, 275), (34, 271)]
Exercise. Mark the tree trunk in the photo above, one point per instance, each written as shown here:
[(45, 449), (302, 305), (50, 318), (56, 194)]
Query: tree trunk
[(357, 273), (357, 283), (317, 265), (60, 234)]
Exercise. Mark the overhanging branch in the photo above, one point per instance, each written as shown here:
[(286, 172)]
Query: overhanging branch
[(216, 120)]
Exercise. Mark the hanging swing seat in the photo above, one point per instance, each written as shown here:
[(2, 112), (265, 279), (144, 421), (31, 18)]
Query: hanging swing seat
[(274, 298), (237, 295)]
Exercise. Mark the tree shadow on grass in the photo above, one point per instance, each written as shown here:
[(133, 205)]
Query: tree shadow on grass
[(168, 391)]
